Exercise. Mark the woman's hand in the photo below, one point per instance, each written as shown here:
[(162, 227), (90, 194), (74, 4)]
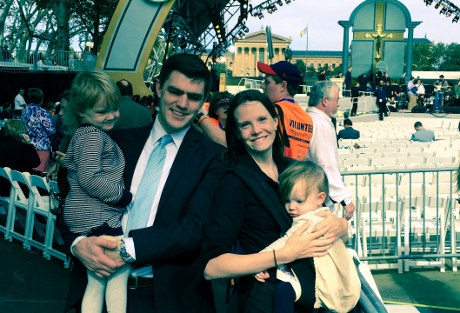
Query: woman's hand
[(301, 245)]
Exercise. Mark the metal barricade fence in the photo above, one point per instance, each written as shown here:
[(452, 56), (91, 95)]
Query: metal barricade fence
[(27, 60), (405, 218)]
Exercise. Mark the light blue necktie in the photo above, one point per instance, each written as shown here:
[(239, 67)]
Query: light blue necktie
[(147, 188)]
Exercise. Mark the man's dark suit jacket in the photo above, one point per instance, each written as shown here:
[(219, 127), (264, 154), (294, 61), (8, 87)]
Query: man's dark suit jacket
[(18, 156), (348, 133), (173, 243), (132, 114)]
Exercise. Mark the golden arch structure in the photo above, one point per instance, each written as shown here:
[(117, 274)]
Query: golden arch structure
[(129, 40)]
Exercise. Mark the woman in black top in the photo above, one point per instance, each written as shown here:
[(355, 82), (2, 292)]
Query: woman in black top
[(243, 215)]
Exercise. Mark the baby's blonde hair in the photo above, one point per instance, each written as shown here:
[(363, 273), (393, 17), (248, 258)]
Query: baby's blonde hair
[(88, 88), (311, 175)]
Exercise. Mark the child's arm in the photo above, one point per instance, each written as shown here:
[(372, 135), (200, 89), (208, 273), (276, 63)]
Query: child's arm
[(88, 151)]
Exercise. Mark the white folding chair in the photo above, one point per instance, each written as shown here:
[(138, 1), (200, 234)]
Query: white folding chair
[(20, 201), (41, 205), (439, 160), (355, 162), (396, 155), (383, 161), (412, 160), (364, 150), (6, 201)]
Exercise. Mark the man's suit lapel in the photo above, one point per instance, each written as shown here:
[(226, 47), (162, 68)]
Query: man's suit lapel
[(186, 153)]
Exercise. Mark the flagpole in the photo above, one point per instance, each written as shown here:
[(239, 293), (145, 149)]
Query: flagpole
[(306, 54)]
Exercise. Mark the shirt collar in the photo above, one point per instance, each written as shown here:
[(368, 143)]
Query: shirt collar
[(158, 131), (314, 109)]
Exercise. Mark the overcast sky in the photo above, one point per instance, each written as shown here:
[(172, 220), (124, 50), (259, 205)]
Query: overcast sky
[(325, 34)]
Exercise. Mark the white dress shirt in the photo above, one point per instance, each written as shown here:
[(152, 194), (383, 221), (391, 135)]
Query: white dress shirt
[(19, 102), (323, 151), (171, 152)]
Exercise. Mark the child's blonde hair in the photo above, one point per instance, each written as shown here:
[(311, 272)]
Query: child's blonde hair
[(88, 88), (312, 176)]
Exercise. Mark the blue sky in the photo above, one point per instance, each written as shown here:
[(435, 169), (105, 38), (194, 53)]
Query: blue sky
[(325, 34)]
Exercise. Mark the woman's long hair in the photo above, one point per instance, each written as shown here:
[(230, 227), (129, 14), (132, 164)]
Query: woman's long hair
[(235, 146)]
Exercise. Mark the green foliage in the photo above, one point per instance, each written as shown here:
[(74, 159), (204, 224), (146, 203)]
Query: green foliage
[(441, 57), (311, 71), (301, 66), (220, 67), (338, 70)]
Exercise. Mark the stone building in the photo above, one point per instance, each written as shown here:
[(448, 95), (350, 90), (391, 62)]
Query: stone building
[(242, 61), (253, 48)]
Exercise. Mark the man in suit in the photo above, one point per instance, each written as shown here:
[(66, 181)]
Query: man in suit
[(162, 253), (348, 132), (348, 79), (132, 114), (422, 134)]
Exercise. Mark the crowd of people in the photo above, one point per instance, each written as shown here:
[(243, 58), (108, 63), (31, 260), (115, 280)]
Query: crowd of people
[(401, 97), (165, 195)]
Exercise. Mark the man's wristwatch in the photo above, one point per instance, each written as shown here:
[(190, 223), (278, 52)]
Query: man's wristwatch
[(345, 201), (199, 118), (123, 253)]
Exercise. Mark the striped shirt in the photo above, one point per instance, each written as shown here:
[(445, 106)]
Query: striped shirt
[(95, 166)]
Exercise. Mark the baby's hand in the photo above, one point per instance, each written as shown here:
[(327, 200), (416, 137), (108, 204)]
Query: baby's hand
[(262, 276)]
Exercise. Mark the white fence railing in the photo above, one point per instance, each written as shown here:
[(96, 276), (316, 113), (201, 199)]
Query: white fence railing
[(405, 218), (26, 60)]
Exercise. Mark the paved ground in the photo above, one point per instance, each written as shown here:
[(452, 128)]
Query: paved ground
[(31, 284)]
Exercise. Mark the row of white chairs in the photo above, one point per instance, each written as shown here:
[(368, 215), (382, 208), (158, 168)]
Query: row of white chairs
[(32, 204), (420, 224), (412, 160), (371, 178), (375, 148), (390, 125), (394, 155)]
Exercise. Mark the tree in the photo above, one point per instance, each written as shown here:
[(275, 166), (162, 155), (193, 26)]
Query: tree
[(451, 58), (422, 59), (220, 67), (337, 70), (311, 72), (301, 66), (441, 57)]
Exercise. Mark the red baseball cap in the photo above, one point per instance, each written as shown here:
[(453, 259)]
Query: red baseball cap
[(283, 69)]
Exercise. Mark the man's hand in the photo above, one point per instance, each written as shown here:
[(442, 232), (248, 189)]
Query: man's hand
[(337, 226), (113, 253), (349, 210), (90, 251)]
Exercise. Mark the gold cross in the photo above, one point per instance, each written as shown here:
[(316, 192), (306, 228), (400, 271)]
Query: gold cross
[(378, 37)]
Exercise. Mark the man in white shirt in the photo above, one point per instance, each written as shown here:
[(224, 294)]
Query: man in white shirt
[(163, 253), (19, 103), (322, 106)]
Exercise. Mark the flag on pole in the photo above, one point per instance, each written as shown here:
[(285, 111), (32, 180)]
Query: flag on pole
[(303, 31)]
